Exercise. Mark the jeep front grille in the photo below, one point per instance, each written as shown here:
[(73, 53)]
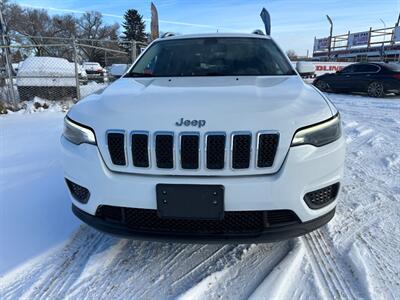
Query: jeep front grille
[(116, 146), (189, 146), (165, 151), (193, 151), (140, 150), (241, 151), (215, 151), (267, 145)]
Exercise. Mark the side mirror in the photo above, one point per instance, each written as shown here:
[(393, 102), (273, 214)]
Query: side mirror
[(305, 68)]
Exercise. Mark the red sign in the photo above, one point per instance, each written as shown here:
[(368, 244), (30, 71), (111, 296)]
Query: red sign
[(328, 68)]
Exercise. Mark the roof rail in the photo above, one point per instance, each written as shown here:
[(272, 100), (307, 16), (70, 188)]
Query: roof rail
[(258, 31), (167, 34)]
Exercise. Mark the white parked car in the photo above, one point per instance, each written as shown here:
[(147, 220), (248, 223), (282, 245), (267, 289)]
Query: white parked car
[(50, 78), (95, 71), (206, 137)]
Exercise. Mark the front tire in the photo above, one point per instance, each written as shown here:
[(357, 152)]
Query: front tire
[(323, 86), (375, 89)]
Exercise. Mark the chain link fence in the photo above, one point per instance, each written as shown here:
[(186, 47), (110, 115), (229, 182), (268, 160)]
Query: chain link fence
[(62, 68)]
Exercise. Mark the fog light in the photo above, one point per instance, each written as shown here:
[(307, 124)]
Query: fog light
[(80, 193), (322, 197)]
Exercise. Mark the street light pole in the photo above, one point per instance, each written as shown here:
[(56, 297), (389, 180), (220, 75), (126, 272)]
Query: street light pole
[(330, 37), (384, 29)]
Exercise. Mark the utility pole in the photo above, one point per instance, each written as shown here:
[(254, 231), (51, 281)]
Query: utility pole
[(330, 37), (6, 50)]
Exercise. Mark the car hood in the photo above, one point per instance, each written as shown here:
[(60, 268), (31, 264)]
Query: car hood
[(247, 103)]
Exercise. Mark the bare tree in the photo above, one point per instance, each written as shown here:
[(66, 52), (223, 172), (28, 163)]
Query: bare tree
[(91, 27), (291, 54), (35, 26)]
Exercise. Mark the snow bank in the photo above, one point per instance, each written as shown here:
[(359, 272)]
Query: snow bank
[(35, 212), (40, 105)]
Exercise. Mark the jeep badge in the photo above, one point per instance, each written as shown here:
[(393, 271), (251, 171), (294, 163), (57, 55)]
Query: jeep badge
[(187, 123)]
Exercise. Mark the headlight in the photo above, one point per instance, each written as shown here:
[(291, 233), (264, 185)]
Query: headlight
[(319, 134), (78, 134)]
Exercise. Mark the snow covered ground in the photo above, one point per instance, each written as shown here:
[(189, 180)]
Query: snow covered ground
[(46, 253)]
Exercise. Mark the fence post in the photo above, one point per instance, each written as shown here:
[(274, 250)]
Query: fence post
[(133, 51), (9, 69), (78, 90)]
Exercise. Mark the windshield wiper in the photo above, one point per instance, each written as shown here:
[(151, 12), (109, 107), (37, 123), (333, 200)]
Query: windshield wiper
[(138, 74)]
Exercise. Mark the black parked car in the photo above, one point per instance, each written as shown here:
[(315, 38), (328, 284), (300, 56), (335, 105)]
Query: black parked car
[(375, 79)]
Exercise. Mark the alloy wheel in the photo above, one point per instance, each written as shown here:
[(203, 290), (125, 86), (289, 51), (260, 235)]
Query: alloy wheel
[(375, 89), (322, 85)]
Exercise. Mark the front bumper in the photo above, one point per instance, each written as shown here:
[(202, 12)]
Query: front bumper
[(305, 169), (267, 235)]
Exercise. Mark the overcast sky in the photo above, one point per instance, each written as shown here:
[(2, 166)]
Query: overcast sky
[(294, 22)]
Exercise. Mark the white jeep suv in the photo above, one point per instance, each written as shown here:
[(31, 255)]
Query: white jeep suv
[(211, 138)]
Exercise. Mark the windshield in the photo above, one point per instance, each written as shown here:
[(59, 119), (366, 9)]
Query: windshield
[(212, 57)]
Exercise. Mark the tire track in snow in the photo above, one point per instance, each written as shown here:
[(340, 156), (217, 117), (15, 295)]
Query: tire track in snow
[(187, 263), (332, 278), (363, 217), (194, 273), (287, 280), (57, 283), (37, 282), (382, 270), (240, 278), (134, 265), (176, 259)]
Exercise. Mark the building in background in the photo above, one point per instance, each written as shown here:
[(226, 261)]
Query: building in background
[(373, 45)]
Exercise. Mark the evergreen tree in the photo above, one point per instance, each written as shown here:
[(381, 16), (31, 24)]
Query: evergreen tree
[(134, 26)]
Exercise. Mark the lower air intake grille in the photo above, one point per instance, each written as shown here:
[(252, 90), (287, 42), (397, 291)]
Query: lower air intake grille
[(147, 220), (280, 217), (140, 150), (267, 145), (164, 151), (116, 147), (241, 151), (322, 197), (80, 193)]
